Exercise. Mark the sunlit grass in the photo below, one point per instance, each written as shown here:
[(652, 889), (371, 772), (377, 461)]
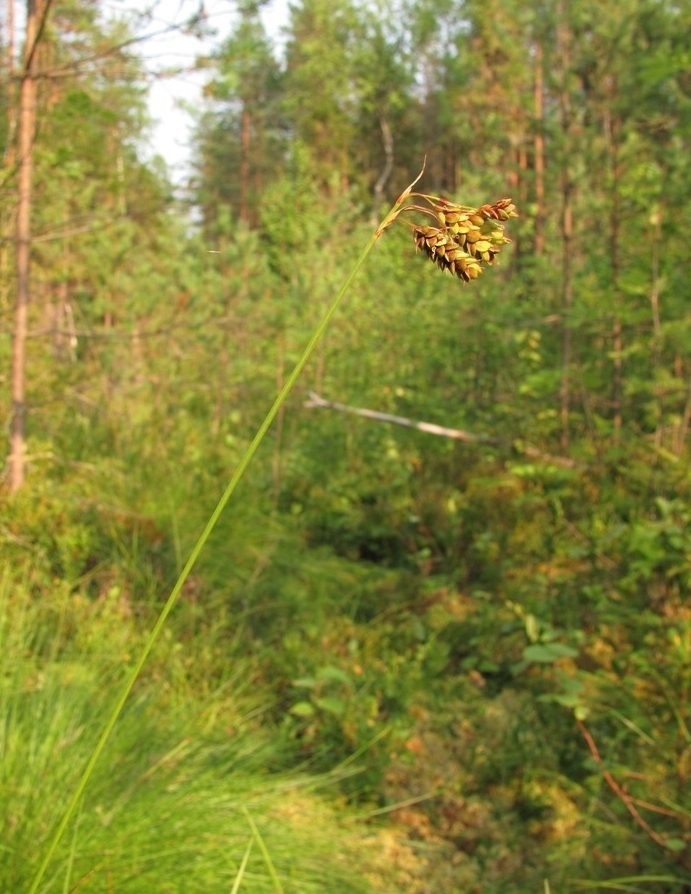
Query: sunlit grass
[(142, 653), (180, 801)]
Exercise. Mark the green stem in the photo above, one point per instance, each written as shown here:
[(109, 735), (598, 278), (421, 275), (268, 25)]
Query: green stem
[(204, 536)]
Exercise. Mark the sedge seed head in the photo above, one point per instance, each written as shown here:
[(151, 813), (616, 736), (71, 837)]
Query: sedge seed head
[(464, 238)]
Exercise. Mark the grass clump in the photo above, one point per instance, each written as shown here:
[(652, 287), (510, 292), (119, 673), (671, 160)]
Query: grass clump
[(181, 800)]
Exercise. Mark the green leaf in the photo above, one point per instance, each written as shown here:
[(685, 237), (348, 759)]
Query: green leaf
[(532, 628), (302, 709), (675, 844), (334, 674), (331, 705), (561, 651)]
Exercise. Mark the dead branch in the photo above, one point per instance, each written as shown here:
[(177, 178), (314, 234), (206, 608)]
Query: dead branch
[(430, 428), (315, 401)]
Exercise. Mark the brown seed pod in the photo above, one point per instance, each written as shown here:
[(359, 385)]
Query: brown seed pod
[(466, 238)]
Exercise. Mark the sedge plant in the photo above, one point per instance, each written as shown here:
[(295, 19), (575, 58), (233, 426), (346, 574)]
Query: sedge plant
[(461, 240), (177, 794)]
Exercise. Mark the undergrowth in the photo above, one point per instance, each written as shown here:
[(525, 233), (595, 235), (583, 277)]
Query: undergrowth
[(183, 793)]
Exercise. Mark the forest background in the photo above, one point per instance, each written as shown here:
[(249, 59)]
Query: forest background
[(403, 662)]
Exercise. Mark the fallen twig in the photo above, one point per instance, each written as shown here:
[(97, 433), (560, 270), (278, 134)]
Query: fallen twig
[(315, 401)]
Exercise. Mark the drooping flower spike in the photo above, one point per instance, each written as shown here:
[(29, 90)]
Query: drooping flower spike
[(463, 238)]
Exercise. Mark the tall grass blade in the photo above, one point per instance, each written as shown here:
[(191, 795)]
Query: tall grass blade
[(204, 536), (70, 862), (265, 851), (241, 870)]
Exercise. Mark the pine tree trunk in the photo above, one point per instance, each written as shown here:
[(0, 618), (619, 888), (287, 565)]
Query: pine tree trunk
[(612, 131), (8, 158), (539, 148), (26, 126), (563, 41), (246, 139)]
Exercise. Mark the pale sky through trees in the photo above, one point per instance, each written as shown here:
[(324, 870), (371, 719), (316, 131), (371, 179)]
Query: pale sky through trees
[(170, 136)]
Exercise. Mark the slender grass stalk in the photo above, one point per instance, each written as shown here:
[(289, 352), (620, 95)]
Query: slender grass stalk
[(204, 536), (70, 862), (82, 881), (243, 866), (265, 852), (625, 884)]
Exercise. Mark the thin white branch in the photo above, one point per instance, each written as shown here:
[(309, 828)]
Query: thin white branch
[(315, 401)]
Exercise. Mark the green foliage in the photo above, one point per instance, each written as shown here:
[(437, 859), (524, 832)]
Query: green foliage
[(493, 632), (183, 788)]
